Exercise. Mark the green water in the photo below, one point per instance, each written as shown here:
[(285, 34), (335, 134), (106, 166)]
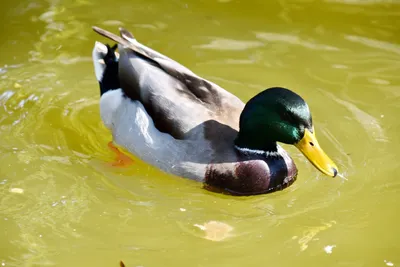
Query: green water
[(62, 204)]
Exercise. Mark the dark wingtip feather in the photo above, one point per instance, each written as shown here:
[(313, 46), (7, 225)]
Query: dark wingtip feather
[(110, 35), (126, 34), (96, 29)]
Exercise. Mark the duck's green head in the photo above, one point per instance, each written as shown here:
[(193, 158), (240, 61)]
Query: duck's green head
[(280, 115)]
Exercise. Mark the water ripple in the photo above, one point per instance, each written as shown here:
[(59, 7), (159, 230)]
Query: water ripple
[(370, 124), (294, 40), (229, 44), (390, 47)]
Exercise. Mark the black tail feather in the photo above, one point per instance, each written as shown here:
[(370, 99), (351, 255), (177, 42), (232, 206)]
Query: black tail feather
[(110, 80)]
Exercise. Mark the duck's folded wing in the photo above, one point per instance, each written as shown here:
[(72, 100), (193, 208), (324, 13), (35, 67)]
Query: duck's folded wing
[(202, 89)]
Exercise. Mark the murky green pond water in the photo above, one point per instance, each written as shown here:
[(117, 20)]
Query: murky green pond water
[(62, 204)]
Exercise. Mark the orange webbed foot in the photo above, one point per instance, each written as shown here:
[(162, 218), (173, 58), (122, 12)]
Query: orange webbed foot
[(121, 160)]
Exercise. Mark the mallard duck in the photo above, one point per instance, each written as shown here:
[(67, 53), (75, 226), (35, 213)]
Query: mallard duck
[(185, 125)]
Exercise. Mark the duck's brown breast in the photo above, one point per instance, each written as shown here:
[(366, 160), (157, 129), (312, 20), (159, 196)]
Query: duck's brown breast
[(252, 176)]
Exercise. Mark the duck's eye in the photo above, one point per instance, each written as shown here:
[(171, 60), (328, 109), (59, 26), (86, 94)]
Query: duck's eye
[(288, 117)]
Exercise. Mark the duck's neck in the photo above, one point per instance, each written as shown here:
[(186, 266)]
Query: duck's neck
[(257, 146), (266, 153)]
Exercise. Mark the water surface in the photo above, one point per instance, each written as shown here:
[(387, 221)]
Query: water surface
[(62, 204)]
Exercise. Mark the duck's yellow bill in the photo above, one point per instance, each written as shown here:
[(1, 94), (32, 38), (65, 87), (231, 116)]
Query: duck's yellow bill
[(310, 148)]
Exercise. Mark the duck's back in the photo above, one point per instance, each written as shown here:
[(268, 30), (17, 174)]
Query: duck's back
[(178, 101)]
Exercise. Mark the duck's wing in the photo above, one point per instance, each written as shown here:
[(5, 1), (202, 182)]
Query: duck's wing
[(201, 88), (176, 98)]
